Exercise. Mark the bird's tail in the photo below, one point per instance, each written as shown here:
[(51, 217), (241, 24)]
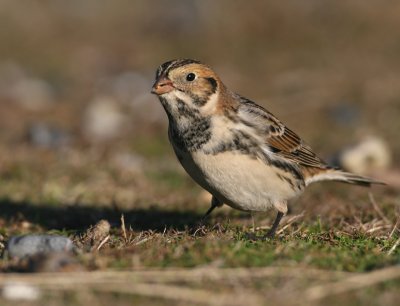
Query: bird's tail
[(331, 174)]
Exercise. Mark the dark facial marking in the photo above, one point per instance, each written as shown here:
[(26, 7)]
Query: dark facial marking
[(162, 68), (203, 99), (213, 83), (167, 66), (199, 101), (185, 111), (166, 106)]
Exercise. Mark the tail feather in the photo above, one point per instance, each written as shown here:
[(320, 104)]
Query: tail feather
[(342, 176)]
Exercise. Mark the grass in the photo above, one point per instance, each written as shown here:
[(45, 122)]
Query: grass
[(332, 228)]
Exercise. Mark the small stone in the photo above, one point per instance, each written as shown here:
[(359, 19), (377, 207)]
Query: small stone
[(29, 245), (46, 136), (369, 155), (20, 291), (103, 119), (32, 94)]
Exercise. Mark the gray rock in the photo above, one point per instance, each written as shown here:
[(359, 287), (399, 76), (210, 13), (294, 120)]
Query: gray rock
[(46, 136), (29, 245)]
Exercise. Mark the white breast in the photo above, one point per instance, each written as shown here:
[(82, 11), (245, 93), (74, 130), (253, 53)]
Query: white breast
[(238, 180)]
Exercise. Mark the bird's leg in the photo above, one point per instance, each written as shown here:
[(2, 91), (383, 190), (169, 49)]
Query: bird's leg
[(253, 221), (252, 235), (214, 203), (271, 232)]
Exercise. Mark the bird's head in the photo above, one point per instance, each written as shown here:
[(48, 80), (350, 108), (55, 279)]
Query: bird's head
[(187, 81)]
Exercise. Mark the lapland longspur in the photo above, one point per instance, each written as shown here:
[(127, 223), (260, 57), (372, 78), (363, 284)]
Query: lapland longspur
[(235, 149)]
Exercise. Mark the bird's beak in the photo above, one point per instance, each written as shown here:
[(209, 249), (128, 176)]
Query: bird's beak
[(162, 86)]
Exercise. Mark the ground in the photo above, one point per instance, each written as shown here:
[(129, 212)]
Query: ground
[(330, 73)]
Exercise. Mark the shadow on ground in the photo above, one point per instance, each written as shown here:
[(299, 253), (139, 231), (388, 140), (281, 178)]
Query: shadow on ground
[(80, 217)]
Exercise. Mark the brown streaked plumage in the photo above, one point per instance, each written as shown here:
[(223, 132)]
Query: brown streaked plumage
[(232, 147)]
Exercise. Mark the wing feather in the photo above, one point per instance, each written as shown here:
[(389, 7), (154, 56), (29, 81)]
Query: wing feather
[(278, 138)]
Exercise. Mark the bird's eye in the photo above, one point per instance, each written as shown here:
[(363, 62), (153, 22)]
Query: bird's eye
[(190, 77)]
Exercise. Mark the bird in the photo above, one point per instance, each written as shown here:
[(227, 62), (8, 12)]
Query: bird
[(238, 151)]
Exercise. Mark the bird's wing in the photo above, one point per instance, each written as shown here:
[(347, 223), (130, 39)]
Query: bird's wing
[(279, 140)]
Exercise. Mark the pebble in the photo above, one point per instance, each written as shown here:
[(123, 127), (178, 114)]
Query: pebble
[(32, 94), (103, 119), (20, 291), (367, 156), (43, 135), (30, 245)]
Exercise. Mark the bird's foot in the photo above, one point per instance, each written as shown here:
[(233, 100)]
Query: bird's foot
[(254, 237)]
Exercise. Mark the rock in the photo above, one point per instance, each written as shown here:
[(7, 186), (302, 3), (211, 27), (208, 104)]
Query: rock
[(29, 245), (32, 94), (20, 291), (369, 155), (46, 136), (103, 120)]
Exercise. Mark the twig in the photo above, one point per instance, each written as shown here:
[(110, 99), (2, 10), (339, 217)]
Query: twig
[(394, 228), (103, 242), (377, 208), (144, 240), (123, 228), (360, 223), (352, 283), (286, 220), (393, 248), (290, 222)]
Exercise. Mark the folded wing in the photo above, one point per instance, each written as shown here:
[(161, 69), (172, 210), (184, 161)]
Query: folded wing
[(279, 140)]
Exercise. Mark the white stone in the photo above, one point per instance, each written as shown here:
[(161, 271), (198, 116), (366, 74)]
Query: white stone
[(20, 291), (369, 155), (103, 119)]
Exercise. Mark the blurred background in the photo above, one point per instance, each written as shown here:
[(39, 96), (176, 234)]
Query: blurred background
[(78, 124)]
